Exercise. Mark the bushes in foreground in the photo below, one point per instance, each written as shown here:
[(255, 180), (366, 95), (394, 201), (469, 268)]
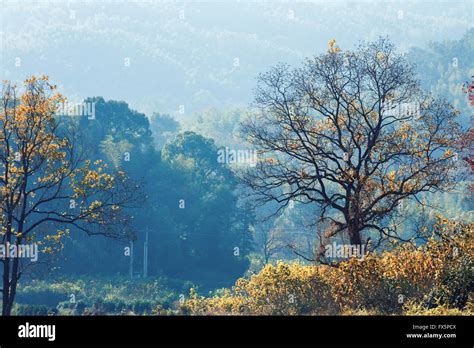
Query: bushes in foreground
[(432, 279), (92, 296), (435, 278)]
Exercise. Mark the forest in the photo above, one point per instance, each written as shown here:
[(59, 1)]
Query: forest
[(344, 188)]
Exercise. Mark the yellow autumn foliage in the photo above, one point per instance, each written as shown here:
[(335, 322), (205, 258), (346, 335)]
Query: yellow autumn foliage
[(44, 159), (435, 278)]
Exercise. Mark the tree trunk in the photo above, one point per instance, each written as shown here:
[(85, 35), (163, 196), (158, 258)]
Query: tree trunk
[(6, 298), (354, 235), (13, 283), (6, 287), (9, 285)]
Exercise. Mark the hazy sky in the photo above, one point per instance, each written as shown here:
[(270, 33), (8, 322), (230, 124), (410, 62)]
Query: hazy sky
[(168, 56)]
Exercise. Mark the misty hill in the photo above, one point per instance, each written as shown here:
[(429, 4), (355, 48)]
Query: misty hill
[(187, 57)]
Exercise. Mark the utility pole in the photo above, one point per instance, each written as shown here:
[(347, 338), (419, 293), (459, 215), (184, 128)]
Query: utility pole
[(145, 255), (131, 260)]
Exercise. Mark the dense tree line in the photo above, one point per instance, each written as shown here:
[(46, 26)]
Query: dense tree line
[(197, 229)]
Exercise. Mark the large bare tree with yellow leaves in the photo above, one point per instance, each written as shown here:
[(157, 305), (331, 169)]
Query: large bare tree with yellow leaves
[(352, 132), (47, 187)]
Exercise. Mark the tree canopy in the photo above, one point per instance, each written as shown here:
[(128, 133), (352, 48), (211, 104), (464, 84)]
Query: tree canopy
[(352, 132)]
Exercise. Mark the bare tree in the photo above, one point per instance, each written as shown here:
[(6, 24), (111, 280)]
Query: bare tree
[(353, 133), (272, 243)]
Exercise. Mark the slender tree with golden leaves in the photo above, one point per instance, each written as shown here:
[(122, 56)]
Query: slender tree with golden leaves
[(45, 184), (352, 132)]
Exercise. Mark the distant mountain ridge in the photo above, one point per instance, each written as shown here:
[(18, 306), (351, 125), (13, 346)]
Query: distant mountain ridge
[(179, 58)]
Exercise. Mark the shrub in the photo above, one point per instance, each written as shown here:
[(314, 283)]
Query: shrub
[(41, 295), (80, 308), (433, 278), (34, 310), (283, 289)]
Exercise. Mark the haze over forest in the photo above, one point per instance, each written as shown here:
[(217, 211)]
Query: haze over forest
[(200, 54)]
